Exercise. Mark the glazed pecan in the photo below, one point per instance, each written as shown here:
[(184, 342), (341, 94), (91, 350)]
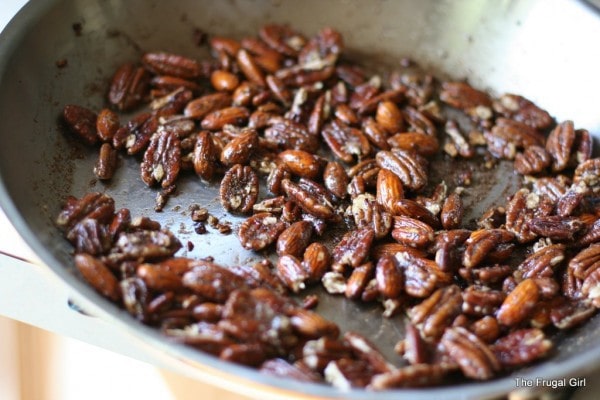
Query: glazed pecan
[(144, 245), (543, 262), (457, 144), (239, 189), (82, 122), (171, 64), (408, 166), (481, 301), (522, 110), (345, 142), (521, 347), (533, 160), (569, 314), (287, 134), (559, 144), (89, 236), (93, 205), (205, 156), (311, 197), (375, 133), (368, 213), (588, 173), (162, 160), (422, 276), (448, 248), (556, 227), (107, 124), (353, 248), (463, 96), (507, 136), (365, 350), (260, 230), (523, 207), (475, 358), (483, 242), (129, 87), (136, 134), (418, 142)]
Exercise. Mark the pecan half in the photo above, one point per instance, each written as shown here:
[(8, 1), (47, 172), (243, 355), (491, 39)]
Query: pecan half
[(162, 160), (474, 357), (260, 230), (239, 189), (521, 347)]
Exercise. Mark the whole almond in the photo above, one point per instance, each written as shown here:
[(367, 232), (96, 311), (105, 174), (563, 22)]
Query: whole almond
[(295, 239), (519, 303)]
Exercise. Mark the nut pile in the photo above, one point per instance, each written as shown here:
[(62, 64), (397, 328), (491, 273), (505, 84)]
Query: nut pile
[(332, 145)]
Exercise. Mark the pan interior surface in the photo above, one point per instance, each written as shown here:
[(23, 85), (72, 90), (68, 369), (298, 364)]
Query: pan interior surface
[(500, 46)]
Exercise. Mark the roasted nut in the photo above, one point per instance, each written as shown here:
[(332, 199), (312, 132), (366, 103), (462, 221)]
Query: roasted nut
[(452, 212), (316, 261), (521, 347), (205, 155), (434, 314), (389, 116), (260, 230), (312, 198), (389, 277), (224, 81), (240, 148), (335, 179), (171, 64), (295, 239), (98, 276), (107, 162), (519, 303), (345, 142), (216, 120), (239, 189), (474, 357), (301, 163), (129, 87), (411, 232), (292, 273), (406, 165), (203, 106), (358, 280), (353, 248), (107, 124), (82, 122), (162, 160)]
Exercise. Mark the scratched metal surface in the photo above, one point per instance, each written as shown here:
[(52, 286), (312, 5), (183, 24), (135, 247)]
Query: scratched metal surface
[(499, 45)]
